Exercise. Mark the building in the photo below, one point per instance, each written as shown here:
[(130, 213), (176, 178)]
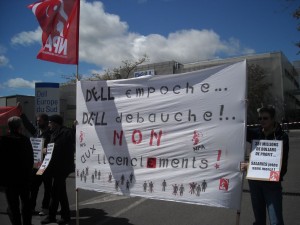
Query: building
[(26, 101), (281, 74)]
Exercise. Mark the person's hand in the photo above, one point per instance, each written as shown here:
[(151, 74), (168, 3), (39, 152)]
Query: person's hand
[(75, 123), (44, 151), (244, 166), (19, 107)]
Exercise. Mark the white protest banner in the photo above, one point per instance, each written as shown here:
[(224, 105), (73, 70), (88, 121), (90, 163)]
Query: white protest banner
[(178, 138), (46, 160), (265, 160), (47, 98), (37, 145)]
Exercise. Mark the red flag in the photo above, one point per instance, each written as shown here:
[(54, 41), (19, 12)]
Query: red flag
[(59, 21), (5, 114)]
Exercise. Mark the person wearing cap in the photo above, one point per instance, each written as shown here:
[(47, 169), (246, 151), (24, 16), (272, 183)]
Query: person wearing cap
[(60, 166), (16, 163)]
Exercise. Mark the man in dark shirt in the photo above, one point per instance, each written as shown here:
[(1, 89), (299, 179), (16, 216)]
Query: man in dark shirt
[(43, 131), (16, 163), (60, 166)]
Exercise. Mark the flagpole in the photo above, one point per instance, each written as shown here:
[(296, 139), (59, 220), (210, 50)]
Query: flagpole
[(77, 79), (77, 207), (238, 212), (77, 37), (77, 73)]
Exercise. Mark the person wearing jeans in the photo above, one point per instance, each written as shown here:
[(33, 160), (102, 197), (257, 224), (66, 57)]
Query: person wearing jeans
[(267, 195)]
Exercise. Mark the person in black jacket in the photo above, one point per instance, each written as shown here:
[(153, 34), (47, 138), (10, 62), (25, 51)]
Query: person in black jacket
[(267, 194), (16, 159), (43, 131), (60, 166)]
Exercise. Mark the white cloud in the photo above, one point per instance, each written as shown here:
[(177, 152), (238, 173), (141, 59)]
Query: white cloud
[(109, 42), (2, 49), (105, 41), (20, 83), (27, 38), (3, 61)]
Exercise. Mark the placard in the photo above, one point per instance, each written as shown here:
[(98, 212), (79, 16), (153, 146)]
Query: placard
[(265, 160), (47, 159), (37, 145)]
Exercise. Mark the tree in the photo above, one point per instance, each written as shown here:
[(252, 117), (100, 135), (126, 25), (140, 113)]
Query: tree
[(258, 91), (292, 4), (296, 15), (122, 72), (71, 79)]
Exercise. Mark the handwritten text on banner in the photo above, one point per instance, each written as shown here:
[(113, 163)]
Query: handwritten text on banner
[(176, 137)]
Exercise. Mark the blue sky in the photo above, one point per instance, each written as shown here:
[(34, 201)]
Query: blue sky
[(115, 30)]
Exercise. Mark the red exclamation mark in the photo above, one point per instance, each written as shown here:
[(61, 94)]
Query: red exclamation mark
[(219, 155), (217, 166)]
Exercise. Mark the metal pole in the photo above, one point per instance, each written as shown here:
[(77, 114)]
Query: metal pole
[(77, 207), (238, 215)]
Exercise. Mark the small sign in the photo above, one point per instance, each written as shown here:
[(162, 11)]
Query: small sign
[(47, 98), (265, 160), (37, 145), (46, 160), (144, 73)]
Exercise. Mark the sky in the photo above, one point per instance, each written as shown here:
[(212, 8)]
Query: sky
[(112, 31)]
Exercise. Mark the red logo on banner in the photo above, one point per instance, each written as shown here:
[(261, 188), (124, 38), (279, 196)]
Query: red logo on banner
[(224, 184), (59, 21), (196, 137), (151, 162), (274, 175), (81, 136)]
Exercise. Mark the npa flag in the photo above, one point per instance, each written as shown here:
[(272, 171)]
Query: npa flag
[(59, 21)]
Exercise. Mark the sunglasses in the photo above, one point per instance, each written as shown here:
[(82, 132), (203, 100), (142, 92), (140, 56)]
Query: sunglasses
[(263, 118)]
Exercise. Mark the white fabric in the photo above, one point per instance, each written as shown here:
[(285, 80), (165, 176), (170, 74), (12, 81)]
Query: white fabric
[(192, 124)]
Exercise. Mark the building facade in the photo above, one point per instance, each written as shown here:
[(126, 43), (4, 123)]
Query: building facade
[(281, 74), (26, 101)]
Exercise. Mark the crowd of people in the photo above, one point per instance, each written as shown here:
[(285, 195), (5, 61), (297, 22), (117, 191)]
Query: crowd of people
[(22, 184)]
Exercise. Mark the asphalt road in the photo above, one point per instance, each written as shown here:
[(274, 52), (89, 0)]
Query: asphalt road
[(106, 209)]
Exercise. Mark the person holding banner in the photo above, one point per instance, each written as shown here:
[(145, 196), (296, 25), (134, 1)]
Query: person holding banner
[(268, 194), (60, 166), (44, 132), (16, 163)]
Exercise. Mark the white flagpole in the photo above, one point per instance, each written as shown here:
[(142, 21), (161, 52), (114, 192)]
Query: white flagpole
[(77, 190), (77, 79)]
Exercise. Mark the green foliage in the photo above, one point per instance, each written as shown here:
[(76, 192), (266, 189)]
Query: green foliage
[(122, 72), (258, 90), (296, 15), (71, 79)]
